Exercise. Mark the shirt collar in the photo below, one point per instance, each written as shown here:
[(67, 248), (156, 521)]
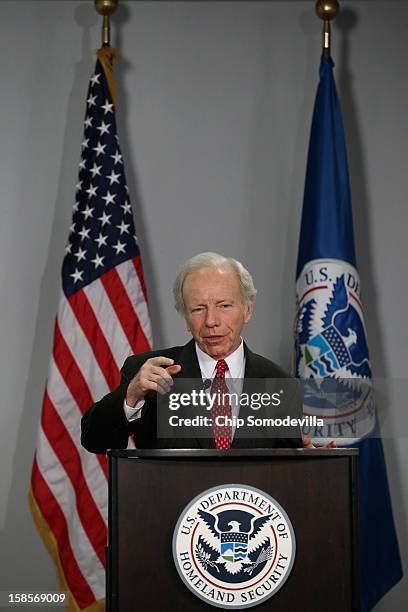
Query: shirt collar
[(235, 363)]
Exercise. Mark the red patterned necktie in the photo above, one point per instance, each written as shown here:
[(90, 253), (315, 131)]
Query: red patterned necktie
[(221, 407)]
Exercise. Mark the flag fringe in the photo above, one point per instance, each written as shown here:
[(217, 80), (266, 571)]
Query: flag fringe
[(108, 55), (51, 545)]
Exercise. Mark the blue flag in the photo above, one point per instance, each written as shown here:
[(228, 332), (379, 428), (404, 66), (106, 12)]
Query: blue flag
[(330, 339)]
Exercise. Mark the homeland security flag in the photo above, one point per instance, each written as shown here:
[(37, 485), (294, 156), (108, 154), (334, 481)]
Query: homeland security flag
[(330, 338), (101, 320)]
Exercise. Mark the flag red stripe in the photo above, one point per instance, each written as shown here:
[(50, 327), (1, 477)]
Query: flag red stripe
[(74, 380), (57, 523), (70, 372), (124, 310), (96, 338), (69, 457), (137, 262)]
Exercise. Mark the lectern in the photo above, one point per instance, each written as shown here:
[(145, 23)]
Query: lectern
[(199, 529)]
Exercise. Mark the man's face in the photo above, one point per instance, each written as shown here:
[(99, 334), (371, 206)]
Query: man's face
[(214, 310)]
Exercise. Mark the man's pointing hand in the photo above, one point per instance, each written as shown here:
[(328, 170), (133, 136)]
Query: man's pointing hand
[(154, 375)]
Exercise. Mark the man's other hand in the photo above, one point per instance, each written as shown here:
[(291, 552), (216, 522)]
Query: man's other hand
[(307, 443)]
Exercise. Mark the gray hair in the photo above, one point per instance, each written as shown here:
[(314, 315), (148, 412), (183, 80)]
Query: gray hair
[(213, 260)]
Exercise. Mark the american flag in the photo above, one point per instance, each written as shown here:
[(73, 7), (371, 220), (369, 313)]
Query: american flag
[(101, 320)]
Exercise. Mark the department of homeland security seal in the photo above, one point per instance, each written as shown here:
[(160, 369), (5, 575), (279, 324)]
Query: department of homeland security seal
[(332, 352), (234, 546)]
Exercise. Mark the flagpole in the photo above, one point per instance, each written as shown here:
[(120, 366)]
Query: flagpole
[(106, 8), (326, 10), (107, 54)]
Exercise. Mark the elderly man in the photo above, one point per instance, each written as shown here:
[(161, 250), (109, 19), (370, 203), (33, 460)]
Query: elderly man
[(216, 296)]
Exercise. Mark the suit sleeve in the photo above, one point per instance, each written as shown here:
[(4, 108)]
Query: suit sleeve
[(293, 408), (296, 411), (105, 425), (291, 436)]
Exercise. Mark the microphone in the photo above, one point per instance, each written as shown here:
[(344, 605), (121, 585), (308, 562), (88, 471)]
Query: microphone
[(207, 383)]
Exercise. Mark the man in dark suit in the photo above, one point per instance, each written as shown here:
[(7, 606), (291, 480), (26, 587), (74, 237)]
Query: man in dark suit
[(216, 296)]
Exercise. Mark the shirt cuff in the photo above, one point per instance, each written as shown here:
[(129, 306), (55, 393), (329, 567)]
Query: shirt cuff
[(133, 412)]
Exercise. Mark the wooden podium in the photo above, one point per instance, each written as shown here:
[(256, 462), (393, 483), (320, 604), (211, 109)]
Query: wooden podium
[(149, 489)]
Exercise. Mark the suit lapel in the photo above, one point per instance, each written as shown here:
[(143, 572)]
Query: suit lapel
[(251, 369), (190, 368), (188, 360)]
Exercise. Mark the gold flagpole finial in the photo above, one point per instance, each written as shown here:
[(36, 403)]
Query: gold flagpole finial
[(326, 10), (106, 8)]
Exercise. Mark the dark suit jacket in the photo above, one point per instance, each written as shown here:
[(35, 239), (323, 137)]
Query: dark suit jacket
[(105, 425)]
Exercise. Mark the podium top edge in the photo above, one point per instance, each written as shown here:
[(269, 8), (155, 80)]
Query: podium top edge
[(200, 453)]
